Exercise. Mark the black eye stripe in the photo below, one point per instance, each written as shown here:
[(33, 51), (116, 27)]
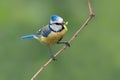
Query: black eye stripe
[(59, 23)]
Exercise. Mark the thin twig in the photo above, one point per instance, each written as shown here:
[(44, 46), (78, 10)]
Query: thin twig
[(74, 36)]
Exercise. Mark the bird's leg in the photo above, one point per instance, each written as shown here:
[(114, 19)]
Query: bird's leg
[(52, 56), (66, 43)]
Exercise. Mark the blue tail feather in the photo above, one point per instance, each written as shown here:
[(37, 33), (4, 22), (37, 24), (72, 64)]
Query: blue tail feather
[(27, 37)]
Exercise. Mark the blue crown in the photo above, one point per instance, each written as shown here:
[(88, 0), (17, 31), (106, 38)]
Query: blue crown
[(55, 17)]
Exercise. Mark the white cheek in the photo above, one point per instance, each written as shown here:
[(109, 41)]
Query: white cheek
[(56, 27)]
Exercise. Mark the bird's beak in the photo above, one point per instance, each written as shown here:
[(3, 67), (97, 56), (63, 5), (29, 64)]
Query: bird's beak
[(65, 23)]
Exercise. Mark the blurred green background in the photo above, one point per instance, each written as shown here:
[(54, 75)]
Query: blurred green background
[(94, 55)]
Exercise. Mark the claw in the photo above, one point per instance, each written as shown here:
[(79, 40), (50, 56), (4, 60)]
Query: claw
[(67, 44), (53, 58)]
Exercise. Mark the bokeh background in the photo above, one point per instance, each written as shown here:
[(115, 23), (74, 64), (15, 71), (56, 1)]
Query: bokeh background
[(94, 55)]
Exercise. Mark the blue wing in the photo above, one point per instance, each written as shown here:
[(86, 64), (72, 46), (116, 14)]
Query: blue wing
[(28, 36), (45, 31)]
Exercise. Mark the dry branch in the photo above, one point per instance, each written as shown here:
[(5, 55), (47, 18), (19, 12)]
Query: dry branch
[(91, 15)]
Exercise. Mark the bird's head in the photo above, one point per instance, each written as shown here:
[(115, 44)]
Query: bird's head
[(54, 19)]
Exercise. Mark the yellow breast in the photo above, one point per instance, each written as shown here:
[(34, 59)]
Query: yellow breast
[(53, 37)]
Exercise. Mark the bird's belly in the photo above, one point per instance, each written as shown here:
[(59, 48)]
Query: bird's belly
[(53, 37)]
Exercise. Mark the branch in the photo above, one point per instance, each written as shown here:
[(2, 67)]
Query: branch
[(91, 15)]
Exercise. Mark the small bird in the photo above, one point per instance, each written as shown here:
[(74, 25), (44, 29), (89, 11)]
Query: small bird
[(51, 34)]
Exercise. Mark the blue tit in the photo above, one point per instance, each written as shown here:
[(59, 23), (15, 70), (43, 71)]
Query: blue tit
[(52, 33)]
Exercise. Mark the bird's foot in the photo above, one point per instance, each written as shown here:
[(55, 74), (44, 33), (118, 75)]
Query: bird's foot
[(66, 43), (53, 57)]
